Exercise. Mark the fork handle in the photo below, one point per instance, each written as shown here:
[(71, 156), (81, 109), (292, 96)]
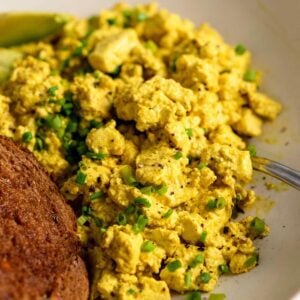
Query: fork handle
[(277, 170)]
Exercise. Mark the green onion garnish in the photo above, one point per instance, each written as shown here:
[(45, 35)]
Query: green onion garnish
[(217, 203), (140, 224), (86, 210), (111, 21), (127, 175), (82, 220), (80, 178), (130, 209), (168, 213), (194, 296), (148, 246), (142, 201), (204, 277), (199, 259), (96, 195), (121, 219), (53, 122), (188, 279), (147, 190), (258, 225), (72, 126), (39, 143), (252, 150), (95, 156), (223, 268), (131, 292), (201, 165), (251, 261), (151, 46), (178, 155), (250, 76), (203, 236), (161, 189), (96, 124), (141, 17), (27, 137), (52, 91), (189, 132), (217, 297), (240, 49), (174, 265)]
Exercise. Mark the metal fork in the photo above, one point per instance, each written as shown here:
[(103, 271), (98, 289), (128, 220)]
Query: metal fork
[(277, 170)]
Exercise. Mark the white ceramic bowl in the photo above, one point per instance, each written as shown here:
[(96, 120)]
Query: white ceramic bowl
[(271, 30)]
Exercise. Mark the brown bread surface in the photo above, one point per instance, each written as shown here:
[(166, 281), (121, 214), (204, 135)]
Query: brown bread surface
[(39, 249)]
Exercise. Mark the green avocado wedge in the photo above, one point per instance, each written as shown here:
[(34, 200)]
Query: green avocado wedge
[(22, 27), (7, 58)]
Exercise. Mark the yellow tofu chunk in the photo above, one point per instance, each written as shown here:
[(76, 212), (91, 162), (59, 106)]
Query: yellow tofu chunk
[(111, 51)]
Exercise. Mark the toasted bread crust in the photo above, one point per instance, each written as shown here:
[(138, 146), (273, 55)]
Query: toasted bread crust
[(39, 249)]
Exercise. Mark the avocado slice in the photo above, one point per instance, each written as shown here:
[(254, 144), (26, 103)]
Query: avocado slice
[(18, 28), (7, 58)]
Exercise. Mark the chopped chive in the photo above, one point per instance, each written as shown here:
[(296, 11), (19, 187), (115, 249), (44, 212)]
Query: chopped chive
[(217, 203), (80, 178), (198, 259), (27, 137), (252, 150), (98, 222), (204, 277), (53, 122), (161, 189), (82, 220), (188, 279), (142, 201), (39, 143), (217, 297), (96, 124), (86, 210), (111, 21), (147, 190), (95, 156), (148, 246), (250, 76), (116, 72), (81, 148), (72, 126), (140, 224), (251, 261), (130, 209), (173, 65), (96, 195), (223, 268), (174, 265), (67, 108), (52, 91), (189, 132), (168, 213), (203, 236), (258, 225), (178, 155), (151, 46), (131, 292), (201, 165), (220, 203), (194, 296), (141, 17), (240, 49), (121, 219), (211, 204), (127, 175)]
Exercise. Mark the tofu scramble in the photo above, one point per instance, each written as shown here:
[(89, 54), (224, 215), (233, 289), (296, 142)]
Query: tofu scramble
[(140, 117)]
